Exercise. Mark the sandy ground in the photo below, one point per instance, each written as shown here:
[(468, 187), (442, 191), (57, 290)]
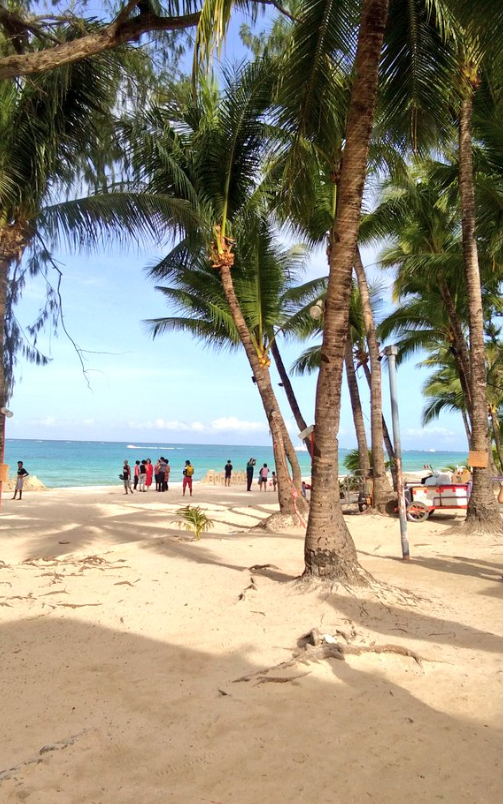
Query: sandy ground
[(124, 642)]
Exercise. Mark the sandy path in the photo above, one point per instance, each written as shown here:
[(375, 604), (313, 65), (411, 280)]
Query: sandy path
[(122, 642)]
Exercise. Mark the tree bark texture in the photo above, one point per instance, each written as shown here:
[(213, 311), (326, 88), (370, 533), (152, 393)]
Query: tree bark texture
[(288, 495), (118, 32), (462, 357), (382, 488), (290, 393), (483, 509), (4, 277), (497, 435), (356, 406), (329, 549), (385, 433)]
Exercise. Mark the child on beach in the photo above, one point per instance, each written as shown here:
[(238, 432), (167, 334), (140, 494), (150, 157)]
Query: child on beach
[(262, 477), (228, 473), (188, 471), (274, 480)]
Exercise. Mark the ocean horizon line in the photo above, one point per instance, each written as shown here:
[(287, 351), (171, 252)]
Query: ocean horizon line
[(176, 444)]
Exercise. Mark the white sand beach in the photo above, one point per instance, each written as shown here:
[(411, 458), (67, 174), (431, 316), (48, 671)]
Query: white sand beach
[(141, 666)]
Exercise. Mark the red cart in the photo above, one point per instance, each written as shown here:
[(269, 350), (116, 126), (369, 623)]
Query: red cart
[(422, 500)]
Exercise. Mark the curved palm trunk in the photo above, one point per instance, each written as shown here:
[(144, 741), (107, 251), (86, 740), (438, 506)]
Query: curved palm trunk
[(382, 488), (385, 433), (329, 549), (288, 501), (483, 509), (292, 458), (462, 357), (290, 393), (4, 274), (356, 406)]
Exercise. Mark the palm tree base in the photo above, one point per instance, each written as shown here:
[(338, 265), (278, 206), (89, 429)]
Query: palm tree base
[(327, 567), (278, 522)]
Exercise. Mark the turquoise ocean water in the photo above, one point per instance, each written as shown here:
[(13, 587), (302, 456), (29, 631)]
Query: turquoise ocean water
[(99, 463)]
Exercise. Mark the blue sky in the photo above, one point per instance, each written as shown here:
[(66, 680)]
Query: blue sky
[(174, 388)]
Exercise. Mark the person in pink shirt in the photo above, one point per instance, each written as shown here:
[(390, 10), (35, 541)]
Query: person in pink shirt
[(262, 477)]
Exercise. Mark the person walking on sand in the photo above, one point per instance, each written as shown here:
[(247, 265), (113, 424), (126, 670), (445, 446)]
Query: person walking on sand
[(136, 474), (126, 477), (262, 477), (162, 472), (157, 477), (142, 476), (250, 466), (228, 473), (21, 474), (188, 471)]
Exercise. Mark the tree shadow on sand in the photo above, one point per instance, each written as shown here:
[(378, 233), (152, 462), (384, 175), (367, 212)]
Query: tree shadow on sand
[(104, 714), (408, 622), (110, 519), (457, 565)]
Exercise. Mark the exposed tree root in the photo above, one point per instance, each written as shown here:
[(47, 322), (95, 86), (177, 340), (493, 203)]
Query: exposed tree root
[(316, 647), (10, 772), (278, 522), (281, 679), (252, 586), (349, 575), (475, 527)]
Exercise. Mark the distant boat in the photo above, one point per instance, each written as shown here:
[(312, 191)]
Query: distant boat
[(302, 448)]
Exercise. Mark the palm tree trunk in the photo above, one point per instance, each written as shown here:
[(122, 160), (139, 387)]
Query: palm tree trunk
[(382, 489), (483, 510), (288, 496), (462, 356), (356, 405), (497, 435), (290, 393), (467, 426), (329, 550), (292, 460), (4, 274), (385, 434)]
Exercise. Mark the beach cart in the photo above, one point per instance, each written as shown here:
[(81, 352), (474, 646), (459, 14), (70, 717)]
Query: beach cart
[(422, 500)]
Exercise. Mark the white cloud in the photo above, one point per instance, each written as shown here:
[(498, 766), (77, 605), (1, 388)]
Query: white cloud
[(225, 424), (175, 425), (47, 421), (232, 424), (427, 432), (199, 427)]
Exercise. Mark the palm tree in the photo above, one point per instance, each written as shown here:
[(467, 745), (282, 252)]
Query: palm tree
[(262, 282), (50, 128), (443, 391), (483, 509), (424, 221), (356, 350), (193, 518), (208, 150)]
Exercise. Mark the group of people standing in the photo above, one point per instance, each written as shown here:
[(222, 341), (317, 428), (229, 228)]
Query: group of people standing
[(263, 476), (142, 475)]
